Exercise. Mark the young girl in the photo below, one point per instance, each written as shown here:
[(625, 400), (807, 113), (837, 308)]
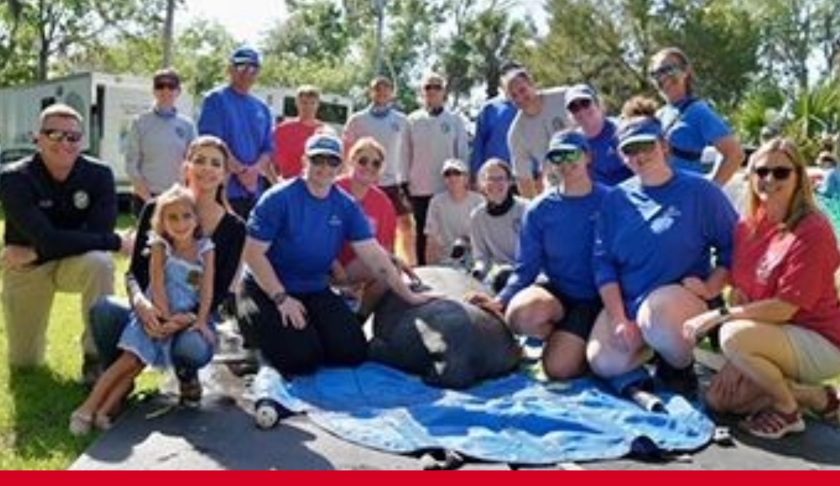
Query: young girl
[(181, 268)]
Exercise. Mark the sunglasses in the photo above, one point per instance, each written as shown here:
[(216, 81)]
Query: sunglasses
[(55, 135), (376, 164), (452, 173), (433, 87), (637, 148), (169, 86), (565, 157), (779, 173), (246, 68), (579, 105), (322, 160), (666, 71)]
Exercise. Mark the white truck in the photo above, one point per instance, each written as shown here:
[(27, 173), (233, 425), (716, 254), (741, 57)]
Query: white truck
[(334, 109), (107, 102)]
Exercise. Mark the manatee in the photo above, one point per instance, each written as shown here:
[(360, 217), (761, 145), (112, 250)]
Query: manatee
[(448, 342)]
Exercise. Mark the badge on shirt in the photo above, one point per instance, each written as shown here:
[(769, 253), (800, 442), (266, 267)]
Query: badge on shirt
[(445, 128), (335, 221), (81, 200), (558, 124)]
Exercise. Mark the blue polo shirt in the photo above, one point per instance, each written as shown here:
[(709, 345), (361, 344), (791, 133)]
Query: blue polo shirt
[(697, 128), (648, 237), (491, 133), (306, 234), (556, 239), (608, 167), (244, 122)]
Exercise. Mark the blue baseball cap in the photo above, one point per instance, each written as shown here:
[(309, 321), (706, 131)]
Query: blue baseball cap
[(246, 55), (580, 92), (639, 129), (324, 144), (567, 141)]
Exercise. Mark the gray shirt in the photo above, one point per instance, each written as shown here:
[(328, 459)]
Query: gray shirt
[(156, 147), (529, 135), (429, 142), (450, 220), (388, 131), (495, 239)]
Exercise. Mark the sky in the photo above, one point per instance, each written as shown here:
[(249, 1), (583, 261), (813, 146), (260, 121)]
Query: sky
[(245, 24)]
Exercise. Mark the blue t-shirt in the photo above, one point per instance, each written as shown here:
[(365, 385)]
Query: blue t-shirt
[(491, 133), (608, 167), (556, 239), (648, 237), (244, 122), (698, 127), (306, 233)]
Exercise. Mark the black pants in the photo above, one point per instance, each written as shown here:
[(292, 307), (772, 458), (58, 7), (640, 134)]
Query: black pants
[(332, 337), (420, 206)]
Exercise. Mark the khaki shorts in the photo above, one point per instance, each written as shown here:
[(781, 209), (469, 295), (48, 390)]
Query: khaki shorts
[(817, 357)]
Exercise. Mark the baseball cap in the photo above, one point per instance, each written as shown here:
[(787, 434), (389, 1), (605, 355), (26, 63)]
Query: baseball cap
[(246, 55), (580, 92), (324, 144), (639, 129), (567, 141), (456, 165)]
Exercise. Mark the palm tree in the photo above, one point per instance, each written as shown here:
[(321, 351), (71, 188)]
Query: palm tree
[(168, 33)]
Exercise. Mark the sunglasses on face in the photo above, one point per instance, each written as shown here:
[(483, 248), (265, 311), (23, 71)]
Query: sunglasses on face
[(166, 86), (433, 87), (452, 173), (322, 160), (665, 71), (500, 179), (778, 173), (637, 148), (375, 164), (580, 105), (246, 68), (55, 135), (565, 157)]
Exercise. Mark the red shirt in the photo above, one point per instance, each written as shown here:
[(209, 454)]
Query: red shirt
[(797, 267), (381, 215), (290, 139)]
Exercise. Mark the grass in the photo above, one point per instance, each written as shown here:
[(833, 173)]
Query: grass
[(36, 404)]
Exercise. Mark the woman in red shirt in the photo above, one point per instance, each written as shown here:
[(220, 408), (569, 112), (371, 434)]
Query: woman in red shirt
[(782, 337)]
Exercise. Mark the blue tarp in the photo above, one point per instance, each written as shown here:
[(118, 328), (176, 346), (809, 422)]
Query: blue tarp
[(515, 420)]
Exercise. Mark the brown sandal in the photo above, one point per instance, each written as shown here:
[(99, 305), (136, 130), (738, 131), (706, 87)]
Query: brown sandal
[(773, 424)]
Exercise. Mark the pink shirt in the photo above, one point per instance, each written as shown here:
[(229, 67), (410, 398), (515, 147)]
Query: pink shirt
[(797, 267), (381, 216), (289, 142)]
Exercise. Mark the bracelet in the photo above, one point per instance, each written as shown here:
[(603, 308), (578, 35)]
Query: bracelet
[(279, 298)]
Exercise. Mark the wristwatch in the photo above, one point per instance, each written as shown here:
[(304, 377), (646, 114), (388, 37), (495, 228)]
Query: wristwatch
[(279, 298)]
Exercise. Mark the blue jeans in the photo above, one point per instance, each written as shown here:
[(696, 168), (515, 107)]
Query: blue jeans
[(109, 316)]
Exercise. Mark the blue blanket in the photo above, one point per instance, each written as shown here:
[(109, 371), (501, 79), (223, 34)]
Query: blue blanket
[(514, 420)]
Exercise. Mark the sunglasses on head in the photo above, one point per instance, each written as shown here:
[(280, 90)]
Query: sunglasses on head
[(376, 164), (246, 68), (637, 148), (565, 157), (779, 173), (165, 85), (579, 105), (322, 160), (55, 135), (666, 71)]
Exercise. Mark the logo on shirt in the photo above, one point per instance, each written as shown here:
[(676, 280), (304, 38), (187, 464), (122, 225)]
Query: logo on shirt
[(46, 204), (446, 128), (558, 124), (335, 221), (395, 127), (181, 133), (666, 221), (767, 265), (81, 200)]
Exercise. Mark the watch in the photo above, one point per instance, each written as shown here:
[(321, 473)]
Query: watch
[(279, 298)]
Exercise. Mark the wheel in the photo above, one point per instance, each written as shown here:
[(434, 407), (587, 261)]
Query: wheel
[(267, 414)]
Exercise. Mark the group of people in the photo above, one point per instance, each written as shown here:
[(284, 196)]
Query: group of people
[(619, 250)]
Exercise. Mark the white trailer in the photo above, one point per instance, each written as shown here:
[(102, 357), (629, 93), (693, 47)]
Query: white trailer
[(108, 103), (334, 109)]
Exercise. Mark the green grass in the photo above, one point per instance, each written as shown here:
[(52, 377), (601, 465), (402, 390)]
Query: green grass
[(35, 404)]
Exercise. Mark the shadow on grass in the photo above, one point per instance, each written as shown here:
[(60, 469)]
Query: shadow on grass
[(43, 402)]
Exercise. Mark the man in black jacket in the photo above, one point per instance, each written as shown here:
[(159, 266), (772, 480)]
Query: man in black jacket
[(61, 211)]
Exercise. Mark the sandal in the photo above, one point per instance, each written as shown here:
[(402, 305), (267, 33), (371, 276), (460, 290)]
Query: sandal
[(102, 422), (831, 412), (80, 424), (773, 424)]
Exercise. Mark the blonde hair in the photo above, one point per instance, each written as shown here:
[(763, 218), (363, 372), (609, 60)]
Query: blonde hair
[(367, 143), (803, 202), (174, 196)]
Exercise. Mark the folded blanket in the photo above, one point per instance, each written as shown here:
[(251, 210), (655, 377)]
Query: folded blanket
[(515, 420)]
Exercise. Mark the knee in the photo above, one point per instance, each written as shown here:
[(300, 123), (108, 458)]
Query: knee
[(101, 264), (191, 350), (564, 368), (731, 338), (608, 364), (528, 321)]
